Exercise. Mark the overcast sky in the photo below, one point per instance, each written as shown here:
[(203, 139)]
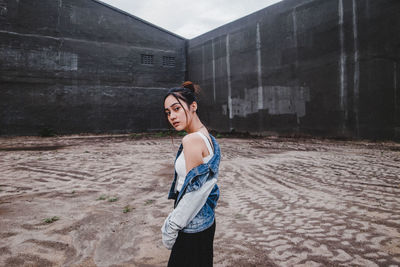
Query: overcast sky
[(190, 18)]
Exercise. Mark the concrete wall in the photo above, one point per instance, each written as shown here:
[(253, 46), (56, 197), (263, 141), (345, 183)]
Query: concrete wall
[(325, 67), (76, 66)]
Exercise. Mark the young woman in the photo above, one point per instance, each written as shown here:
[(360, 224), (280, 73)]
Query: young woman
[(189, 229)]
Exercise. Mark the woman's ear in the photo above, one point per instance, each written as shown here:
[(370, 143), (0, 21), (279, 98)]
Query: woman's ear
[(193, 107)]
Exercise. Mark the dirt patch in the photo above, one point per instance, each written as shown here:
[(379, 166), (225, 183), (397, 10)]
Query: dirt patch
[(284, 201), (32, 148)]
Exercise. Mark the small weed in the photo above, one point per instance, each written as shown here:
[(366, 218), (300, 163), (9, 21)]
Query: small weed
[(218, 135), (87, 151), (239, 216), (102, 197), (112, 199), (181, 133), (73, 192), (135, 135), (127, 209), (51, 220), (149, 202)]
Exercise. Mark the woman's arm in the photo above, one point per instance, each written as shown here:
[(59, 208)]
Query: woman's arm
[(187, 208)]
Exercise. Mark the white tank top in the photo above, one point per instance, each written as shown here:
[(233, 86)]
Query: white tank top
[(180, 164)]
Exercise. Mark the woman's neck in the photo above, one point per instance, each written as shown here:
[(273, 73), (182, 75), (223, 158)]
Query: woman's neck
[(194, 126)]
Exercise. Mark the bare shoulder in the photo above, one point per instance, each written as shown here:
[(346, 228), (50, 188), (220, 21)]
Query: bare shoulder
[(191, 139), (193, 147)]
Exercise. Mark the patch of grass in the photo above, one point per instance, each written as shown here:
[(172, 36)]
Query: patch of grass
[(73, 192), (158, 134), (51, 219), (112, 199), (135, 135), (102, 197), (149, 202), (162, 134), (169, 133), (219, 135), (127, 209)]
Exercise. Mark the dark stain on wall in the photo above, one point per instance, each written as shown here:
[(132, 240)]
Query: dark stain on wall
[(304, 66)]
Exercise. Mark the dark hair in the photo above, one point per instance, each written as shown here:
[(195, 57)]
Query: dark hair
[(186, 93)]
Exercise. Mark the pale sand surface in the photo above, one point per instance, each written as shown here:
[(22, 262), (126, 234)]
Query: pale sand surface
[(284, 202)]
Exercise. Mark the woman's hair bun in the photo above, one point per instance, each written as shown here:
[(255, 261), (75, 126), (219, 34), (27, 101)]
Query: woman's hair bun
[(191, 86)]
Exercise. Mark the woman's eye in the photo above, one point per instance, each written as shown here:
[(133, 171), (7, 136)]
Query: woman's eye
[(177, 108), (167, 113)]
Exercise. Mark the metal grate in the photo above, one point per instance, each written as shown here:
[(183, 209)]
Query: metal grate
[(147, 59), (3, 9), (168, 61)]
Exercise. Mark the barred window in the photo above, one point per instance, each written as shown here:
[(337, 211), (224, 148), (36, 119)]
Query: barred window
[(147, 59), (168, 61)]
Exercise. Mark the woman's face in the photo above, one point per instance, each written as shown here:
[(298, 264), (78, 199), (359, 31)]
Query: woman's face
[(176, 113)]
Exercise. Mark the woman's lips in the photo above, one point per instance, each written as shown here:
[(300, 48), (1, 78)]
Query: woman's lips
[(175, 124)]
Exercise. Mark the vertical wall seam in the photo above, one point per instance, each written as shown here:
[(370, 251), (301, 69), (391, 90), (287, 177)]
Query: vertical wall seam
[(342, 65), (213, 68), (395, 93), (59, 15), (186, 60), (202, 65), (228, 72), (356, 78), (259, 70), (294, 18), (295, 42)]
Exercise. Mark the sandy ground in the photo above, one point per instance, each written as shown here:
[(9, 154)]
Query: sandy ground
[(284, 202)]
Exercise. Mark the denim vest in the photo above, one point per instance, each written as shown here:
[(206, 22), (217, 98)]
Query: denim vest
[(195, 178)]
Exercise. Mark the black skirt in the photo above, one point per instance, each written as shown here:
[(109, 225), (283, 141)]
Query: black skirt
[(193, 250)]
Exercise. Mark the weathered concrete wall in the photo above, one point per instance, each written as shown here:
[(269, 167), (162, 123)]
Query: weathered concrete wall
[(76, 66), (310, 66), (307, 66)]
